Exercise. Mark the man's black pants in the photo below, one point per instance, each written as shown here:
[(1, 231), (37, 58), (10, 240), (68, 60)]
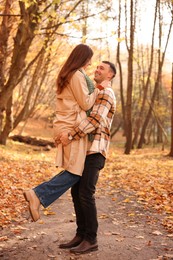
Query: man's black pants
[(83, 194)]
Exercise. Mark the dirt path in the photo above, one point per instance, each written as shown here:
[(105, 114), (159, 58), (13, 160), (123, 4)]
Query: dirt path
[(126, 232)]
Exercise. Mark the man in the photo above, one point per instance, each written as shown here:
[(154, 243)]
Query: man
[(99, 123)]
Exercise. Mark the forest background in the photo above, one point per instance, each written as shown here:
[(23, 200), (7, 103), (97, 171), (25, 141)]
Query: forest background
[(36, 36)]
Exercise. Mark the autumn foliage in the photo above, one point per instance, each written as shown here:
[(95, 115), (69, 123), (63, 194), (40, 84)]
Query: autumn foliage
[(147, 173)]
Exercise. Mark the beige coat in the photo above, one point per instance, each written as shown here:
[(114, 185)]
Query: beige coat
[(71, 106)]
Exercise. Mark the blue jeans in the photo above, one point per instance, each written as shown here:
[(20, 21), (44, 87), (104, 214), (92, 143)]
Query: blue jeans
[(49, 191)]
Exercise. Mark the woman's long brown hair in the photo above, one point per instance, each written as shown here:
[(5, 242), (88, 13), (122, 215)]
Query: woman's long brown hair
[(79, 56)]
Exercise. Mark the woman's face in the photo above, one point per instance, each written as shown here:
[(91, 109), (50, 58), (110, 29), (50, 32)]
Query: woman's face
[(87, 64)]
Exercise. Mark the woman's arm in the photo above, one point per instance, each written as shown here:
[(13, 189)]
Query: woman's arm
[(80, 91)]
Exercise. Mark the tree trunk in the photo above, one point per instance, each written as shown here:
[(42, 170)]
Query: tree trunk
[(25, 110), (128, 121), (120, 66), (22, 42), (171, 150), (159, 130), (5, 29), (160, 65), (8, 122), (146, 86)]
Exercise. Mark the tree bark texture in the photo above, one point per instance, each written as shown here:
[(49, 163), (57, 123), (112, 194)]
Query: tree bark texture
[(128, 118), (171, 150), (22, 42)]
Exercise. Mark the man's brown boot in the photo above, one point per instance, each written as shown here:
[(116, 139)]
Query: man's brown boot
[(84, 247), (74, 242)]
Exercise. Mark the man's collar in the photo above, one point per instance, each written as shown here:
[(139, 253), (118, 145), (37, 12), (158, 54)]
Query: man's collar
[(100, 87)]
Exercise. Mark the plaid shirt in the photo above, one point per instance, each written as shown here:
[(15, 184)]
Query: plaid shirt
[(98, 122)]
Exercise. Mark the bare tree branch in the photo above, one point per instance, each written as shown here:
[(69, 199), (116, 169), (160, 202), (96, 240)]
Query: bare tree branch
[(10, 14), (79, 19)]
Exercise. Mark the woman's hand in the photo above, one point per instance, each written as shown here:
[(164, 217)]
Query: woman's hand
[(64, 138)]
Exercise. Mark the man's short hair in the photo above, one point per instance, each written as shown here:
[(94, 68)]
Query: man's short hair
[(112, 66)]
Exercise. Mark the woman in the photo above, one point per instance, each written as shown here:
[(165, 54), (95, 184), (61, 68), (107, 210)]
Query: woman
[(74, 98)]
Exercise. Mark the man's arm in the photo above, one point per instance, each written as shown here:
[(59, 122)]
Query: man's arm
[(101, 111)]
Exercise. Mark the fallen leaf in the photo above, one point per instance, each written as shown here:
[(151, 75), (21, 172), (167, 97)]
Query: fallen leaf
[(131, 214), (115, 233), (52, 256), (170, 235), (137, 248), (41, 221), (107, 233), (119, 239), (103, 216), (140, 237), (3, 238), (115, 223), (149, 243), (127, 200), (158, 233), (47, 212), (169, 256)]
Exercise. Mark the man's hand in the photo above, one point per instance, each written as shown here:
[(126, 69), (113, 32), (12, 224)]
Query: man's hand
[(64, 138), (57, 141)]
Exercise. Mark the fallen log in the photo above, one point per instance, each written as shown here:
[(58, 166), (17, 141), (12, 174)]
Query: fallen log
[(32, 140)]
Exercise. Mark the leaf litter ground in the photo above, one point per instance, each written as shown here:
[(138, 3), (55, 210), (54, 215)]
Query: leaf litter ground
[(134, 198)]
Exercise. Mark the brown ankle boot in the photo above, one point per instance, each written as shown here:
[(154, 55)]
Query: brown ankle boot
[(84, 247), (74, 242), (34, 204)]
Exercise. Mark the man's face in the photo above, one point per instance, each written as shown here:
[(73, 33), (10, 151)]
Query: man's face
[(102, 73)]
